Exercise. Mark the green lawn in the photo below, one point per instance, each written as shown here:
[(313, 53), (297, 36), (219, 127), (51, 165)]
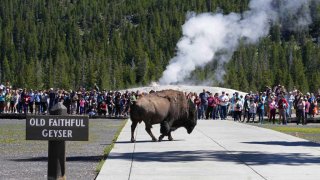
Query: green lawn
[(309, 132)]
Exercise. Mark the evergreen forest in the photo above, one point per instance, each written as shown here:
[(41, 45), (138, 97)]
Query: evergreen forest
[(125, 43)]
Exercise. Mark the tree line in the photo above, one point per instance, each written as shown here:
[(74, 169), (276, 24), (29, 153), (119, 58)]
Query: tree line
[(122, 43)]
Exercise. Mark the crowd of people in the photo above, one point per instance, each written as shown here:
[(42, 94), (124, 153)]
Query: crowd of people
[(264, 105), (93, 102)]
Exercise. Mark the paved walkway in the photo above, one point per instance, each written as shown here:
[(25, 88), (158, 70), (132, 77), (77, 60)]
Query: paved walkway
[(223, 150)]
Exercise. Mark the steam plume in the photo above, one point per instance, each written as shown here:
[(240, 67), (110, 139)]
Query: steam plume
[(208, 34)]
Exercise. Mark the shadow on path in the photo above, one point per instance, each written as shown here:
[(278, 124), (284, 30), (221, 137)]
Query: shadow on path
[(249, 157), (286, 143), (146, 141)]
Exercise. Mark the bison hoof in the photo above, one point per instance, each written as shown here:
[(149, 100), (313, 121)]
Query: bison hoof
[(154, 139), (160, 138), (170, 139), (133, 140)]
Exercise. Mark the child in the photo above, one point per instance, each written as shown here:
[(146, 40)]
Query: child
[(81, 104)]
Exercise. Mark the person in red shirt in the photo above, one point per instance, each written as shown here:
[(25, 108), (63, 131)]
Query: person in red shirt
[(215, 107), (282, 106), (103, 108), (197, 102), (211, 105)]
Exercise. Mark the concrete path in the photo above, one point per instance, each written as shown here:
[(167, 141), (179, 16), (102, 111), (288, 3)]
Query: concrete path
[(223, 150)]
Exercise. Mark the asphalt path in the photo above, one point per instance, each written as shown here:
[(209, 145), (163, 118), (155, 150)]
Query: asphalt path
[(215, 150)]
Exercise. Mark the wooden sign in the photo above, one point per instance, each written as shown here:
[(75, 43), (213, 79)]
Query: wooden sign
[(60, 128)]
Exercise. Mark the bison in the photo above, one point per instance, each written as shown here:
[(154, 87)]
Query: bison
[(168, 107)]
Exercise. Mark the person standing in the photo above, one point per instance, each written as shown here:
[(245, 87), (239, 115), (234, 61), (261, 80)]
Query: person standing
[(300, 111), (74, 99), (282, 106), (52, 97), (307, 109), (14, 101), (31, 101), (81, 105), (252, 110), (197, 102), (7, 101), (211, 104), (203, 103), (2, 100), (224, 100), (290, 102), (246, 108), (44, 102), (117, 104), (272, 108), (238, 109), (233, 101), (260, 109), (216, 106), (37, 101)]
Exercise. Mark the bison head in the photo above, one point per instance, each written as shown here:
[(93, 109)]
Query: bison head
[(192, 117), (189, 121)]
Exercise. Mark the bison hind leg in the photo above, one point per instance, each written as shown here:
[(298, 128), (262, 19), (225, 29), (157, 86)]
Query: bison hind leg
[(161, 137), (164, 128), (170, 137)]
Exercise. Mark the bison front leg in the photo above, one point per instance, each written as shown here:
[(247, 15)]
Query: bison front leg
[(148, 129), (133, 127)]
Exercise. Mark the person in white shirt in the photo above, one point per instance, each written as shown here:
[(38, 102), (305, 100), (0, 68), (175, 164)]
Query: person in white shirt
[(252, 110), (224, 100)]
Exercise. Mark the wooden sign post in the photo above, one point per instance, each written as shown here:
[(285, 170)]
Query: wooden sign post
[(57, 129)]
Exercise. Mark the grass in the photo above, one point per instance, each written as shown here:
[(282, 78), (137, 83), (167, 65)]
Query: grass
[(108, 149), (11, 133), (309, 132)]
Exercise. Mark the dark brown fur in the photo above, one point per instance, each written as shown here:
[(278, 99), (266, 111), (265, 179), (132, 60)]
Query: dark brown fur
[(168, 107)]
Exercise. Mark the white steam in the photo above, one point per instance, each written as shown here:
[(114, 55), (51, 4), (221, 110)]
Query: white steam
[(209, 36)]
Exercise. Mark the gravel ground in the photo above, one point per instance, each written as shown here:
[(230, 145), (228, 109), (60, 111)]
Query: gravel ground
[(21, 159)]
